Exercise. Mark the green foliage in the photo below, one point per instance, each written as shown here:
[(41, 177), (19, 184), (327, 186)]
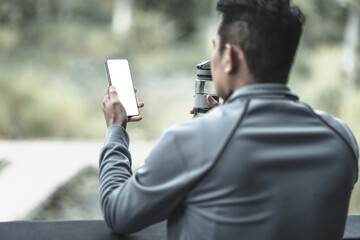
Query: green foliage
[(325, 21), (74, 200), (32, 107), (185, 14), (54, 67), (9, 13)]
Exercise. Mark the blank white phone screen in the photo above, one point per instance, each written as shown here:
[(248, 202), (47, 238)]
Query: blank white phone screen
[(119, 76)]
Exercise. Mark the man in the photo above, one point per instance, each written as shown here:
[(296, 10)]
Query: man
[(261, 166)]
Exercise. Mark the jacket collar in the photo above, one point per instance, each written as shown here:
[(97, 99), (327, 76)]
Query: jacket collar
[(265, 90)]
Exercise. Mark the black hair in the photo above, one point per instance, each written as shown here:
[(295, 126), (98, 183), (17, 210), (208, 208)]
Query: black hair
[(268, 32)]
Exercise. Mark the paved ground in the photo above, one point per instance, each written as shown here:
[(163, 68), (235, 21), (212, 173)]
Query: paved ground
[(33, 171)]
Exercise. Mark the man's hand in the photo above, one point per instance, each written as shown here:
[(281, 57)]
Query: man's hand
[(114, 111), (211, 101)]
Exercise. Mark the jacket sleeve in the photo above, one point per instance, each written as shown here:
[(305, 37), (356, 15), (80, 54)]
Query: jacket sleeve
[(132, 202)]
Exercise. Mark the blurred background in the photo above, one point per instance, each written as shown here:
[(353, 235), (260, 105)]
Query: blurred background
[(52, 81)]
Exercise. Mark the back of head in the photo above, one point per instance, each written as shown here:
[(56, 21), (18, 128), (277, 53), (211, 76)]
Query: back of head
[(268, 32)]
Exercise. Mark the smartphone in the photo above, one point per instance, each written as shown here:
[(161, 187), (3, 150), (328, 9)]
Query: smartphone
[(119, 76)]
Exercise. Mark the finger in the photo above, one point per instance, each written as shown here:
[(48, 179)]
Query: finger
[(113, 93), (140, 104), (211, 101), (105, 99), (192, 111), (135, 119), (135, 90), (106, 93)]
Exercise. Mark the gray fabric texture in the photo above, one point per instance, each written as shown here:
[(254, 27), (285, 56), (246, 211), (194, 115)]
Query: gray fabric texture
[(261, 166)]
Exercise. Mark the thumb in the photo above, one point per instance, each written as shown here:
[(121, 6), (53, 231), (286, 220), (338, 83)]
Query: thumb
[(113, 93), (211, 101)]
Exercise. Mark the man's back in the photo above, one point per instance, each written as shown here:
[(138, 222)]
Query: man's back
[(263, 166), (285, 174)]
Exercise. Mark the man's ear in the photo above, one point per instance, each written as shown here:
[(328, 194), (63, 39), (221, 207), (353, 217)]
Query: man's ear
[(231, 57)]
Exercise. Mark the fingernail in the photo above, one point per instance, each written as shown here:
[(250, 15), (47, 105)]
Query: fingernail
[(112, 87)]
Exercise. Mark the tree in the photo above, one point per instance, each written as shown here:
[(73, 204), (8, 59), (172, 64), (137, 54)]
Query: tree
[(351, 38), (121, 19)]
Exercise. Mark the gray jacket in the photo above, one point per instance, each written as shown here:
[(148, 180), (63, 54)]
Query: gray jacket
[(261, 166)]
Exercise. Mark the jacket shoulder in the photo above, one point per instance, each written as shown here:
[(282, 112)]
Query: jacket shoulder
[(341, 128)]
